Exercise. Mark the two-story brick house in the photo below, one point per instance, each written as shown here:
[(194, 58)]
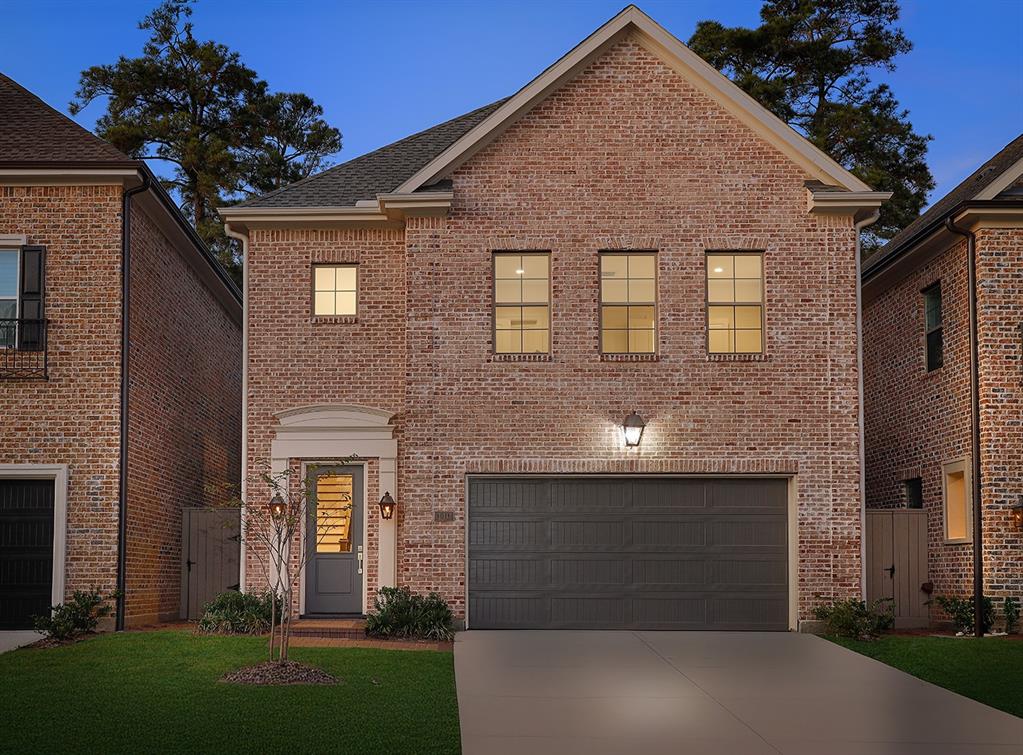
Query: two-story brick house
[(120, 371), (597, 340), (943, 370)]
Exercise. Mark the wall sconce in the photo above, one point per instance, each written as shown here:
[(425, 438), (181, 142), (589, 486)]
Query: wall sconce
[(632, 427), (1016, 512), (277, 506), (387, 506)]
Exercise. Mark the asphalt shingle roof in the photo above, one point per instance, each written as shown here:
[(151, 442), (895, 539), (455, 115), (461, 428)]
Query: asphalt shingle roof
[(980, 179), (33, 132), (376, 172)]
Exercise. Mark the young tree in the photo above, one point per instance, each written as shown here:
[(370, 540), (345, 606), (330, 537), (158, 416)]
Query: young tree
[(195, 105), (810, 63)]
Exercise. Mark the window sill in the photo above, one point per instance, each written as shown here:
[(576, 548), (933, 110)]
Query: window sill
[(520, 358), (335, 320), (738, 358), (630, 357)]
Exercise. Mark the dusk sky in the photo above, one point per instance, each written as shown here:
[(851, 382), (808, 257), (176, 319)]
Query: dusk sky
[(383, 70)]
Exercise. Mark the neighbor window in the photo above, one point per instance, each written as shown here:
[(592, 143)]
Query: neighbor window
[(913, 493), (522, 306), (958, 502), (932, 327), (335, 290), (8, 295), (628, 302), (735, 303)]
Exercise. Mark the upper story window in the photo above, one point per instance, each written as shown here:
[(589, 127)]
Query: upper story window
[(735, 303), (22, 320), (628, 302), (9, 275), (522, 303), (933, 327), (335, 290)]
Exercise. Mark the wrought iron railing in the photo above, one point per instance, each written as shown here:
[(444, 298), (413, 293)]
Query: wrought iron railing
[(22, 349)]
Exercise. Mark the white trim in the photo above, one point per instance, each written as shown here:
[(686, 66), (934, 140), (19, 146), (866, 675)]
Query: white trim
[(677, 56), (1003, 182), (59, 474), (846, 202), (964, 466), (13, 239)]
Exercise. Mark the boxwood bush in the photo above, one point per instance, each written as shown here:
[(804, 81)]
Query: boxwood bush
[(960, 610), (855, 619), (400, 613), (78, 616), (234, 612)]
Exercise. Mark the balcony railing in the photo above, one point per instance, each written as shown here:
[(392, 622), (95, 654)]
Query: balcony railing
[(22, 349)]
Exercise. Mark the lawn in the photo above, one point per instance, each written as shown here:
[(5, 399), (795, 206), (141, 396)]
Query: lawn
[(158, 692), (989, 670)]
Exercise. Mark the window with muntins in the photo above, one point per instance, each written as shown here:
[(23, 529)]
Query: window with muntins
[(8, 296), (522, 302), (735, 303), (628, 302), (335, 290), (933, 327)]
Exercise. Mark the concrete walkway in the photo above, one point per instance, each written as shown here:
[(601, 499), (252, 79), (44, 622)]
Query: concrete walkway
[(9, 640), (689, 693)]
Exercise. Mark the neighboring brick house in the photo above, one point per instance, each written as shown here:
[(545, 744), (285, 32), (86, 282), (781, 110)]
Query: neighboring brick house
[(920, 450), (474, 311), (93, 479)]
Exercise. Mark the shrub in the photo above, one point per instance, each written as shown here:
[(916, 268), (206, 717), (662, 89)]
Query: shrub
[(78, 616), (234, 612), (398, 612), (1010, 608), (960, 610), (855, 619)]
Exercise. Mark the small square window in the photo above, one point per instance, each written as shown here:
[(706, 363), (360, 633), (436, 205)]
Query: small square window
[(913, 493), (335, 290)]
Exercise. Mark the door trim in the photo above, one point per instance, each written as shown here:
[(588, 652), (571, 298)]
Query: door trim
[(58, 473), (306, 463), (792, 514)]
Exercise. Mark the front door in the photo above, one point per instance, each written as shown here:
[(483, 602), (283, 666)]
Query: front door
[(333, 582)]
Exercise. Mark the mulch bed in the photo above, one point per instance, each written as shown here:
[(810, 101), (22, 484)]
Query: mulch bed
[(274, 672), (50, 642)]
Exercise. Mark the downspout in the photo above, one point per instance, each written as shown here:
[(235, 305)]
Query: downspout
[(859, 225), (122, 482), (978, 508), (244, 239)]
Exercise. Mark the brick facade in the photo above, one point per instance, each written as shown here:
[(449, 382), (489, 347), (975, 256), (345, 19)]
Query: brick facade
[(627, 155)]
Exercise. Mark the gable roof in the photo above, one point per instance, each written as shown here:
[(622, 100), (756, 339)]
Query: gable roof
[(32, 132), (983, 184), (428, 158), (377, 172)]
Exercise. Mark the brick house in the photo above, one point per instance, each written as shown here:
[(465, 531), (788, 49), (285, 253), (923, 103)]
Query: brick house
[(597, 340), (926, 358), (120, 371)]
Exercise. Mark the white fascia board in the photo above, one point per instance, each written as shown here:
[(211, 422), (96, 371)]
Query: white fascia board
[(845, 202)]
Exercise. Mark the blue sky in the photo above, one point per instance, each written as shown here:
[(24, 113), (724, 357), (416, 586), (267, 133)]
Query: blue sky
[(383, 70)]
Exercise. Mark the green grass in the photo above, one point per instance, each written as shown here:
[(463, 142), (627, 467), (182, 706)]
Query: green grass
[(158, 692), (989, 670)]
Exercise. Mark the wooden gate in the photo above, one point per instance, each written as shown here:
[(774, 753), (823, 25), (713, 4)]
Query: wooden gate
[(897, 563), (210, 549)]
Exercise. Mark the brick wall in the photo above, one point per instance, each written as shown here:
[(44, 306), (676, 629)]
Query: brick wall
[(73, 418), (626, 156), (184, 414)]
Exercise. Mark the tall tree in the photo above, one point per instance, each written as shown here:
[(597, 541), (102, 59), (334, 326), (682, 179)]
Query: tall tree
[(810, 62), (194, 105)]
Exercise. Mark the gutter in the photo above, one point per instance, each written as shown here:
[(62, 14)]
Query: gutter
[(122, 492), (978, 507)]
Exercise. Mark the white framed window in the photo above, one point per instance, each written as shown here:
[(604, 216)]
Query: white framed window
[(10, 285), (957, 501), (335, 290)]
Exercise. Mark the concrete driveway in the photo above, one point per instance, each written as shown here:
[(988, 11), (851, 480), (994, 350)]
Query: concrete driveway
[(688, 693), (15, 639)]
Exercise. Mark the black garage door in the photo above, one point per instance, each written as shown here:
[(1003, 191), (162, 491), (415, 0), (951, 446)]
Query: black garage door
[(628, 553), (26, 551)]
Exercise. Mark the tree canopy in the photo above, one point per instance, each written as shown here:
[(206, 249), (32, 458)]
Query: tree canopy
[(810, 63), (194, 105)]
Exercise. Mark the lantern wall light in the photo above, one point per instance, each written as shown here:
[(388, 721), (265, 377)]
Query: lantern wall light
[(632, 427), (277, 506), (387, 506)]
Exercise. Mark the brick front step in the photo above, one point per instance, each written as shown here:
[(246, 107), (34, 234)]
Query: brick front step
[(349, 629)]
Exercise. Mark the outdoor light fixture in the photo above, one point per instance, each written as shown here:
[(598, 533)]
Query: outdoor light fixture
[(277, 506), (387, 505), (1017, 515), (633, 429)]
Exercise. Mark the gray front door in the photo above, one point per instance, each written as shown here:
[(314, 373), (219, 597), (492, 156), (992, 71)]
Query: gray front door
[(333, 582), (628, 553)]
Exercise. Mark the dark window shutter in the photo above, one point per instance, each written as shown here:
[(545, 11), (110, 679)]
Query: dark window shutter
[(32, 330)]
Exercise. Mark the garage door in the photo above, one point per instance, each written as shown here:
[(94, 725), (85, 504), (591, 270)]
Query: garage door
[(26, 551), (628, 553)]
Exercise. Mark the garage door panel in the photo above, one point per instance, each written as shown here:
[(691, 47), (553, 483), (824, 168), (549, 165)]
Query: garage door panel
[(511, 495), (658, 553), (26, 551)]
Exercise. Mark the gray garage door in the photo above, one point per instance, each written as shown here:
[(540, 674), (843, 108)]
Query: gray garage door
[(627, 553)]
